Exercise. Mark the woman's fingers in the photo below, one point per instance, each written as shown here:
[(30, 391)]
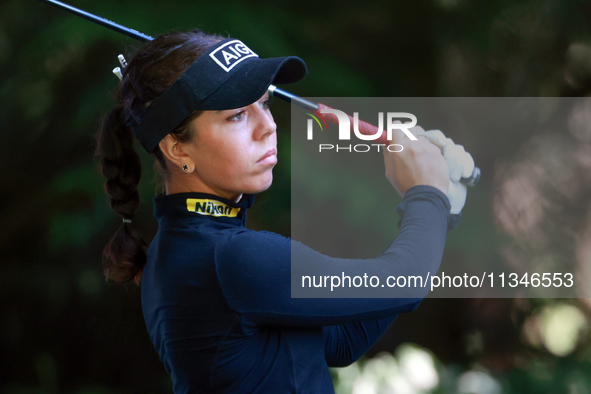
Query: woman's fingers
[(398, 136), (419, 163)]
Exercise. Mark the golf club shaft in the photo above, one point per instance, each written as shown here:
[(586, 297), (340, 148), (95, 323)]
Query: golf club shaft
[(101, 21), (364, 127)]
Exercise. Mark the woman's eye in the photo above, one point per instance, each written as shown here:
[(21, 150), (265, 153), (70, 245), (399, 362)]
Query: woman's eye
[(238, 116), (267, 103)]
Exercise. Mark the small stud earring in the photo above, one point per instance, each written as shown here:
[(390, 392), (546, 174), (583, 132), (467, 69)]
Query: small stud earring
[(175, 145), (185, 167)]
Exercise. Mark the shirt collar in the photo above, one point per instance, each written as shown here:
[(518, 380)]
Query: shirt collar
[(203, 206)]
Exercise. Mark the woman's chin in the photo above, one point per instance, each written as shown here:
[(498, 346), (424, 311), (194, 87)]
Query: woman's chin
[(262, 184)]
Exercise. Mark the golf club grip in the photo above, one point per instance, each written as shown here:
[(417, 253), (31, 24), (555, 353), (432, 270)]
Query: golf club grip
[(369, 129), (364, 127)]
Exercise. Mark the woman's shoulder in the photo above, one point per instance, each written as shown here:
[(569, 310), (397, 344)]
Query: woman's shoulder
[(250, 248), (247, 241), (248, 261)]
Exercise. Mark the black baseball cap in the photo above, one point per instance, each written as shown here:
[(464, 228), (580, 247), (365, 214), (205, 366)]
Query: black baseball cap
[(228, 75)]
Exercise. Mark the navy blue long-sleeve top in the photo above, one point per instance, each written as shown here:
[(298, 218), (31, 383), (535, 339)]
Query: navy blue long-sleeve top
[(217, 302)]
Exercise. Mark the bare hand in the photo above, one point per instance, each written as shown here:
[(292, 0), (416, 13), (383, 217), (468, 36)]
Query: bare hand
[(419, 163)]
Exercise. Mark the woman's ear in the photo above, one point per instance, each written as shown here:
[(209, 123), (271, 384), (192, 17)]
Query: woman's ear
[(173, 151)]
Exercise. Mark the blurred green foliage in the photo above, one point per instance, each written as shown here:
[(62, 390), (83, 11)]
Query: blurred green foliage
[(62, 329)]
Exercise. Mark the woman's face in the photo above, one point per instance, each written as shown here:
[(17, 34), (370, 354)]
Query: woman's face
[(234, 151)]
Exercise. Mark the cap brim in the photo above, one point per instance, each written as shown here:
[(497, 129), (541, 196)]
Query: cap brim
[(251, 81)]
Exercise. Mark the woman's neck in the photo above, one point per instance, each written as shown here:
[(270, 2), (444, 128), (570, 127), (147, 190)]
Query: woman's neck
[(173, 186)]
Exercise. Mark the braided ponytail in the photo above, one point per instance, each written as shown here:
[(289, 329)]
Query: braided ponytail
[(152, 70), (124, 256)]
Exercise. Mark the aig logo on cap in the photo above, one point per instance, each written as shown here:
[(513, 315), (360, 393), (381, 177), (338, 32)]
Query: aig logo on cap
[(231, 53)]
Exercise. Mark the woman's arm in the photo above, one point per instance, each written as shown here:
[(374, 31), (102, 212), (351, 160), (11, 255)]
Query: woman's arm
[(345, 343), (254, 268)]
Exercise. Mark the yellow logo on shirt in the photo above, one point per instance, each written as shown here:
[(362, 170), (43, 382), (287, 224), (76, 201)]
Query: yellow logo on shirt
[(211, 207)]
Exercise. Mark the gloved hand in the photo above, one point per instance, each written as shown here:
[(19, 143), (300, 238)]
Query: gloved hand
[(459, 163)]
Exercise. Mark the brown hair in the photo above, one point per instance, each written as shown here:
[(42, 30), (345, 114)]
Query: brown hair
[(155, 67)]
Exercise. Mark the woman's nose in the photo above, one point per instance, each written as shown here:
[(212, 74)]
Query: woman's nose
[(265, 124)]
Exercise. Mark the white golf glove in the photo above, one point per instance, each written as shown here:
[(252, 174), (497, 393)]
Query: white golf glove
[(459, 163)]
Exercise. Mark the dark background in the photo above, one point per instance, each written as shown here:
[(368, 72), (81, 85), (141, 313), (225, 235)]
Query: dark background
[(63, 329)]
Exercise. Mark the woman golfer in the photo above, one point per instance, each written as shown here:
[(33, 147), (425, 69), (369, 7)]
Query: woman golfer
[(216, 295)]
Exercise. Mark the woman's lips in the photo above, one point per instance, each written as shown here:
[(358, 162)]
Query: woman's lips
[(269, 158)]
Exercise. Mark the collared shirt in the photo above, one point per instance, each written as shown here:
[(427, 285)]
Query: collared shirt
[(217, 303)]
